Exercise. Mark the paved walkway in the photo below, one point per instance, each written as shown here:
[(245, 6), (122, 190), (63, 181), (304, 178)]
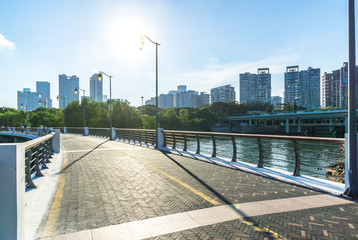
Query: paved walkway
[(112, 190)]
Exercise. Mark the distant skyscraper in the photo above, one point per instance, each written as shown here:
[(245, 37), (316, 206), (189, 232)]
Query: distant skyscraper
[(180, 98), (96, 88), (43, 89), (275, 100), (310, 88), (248, 87), (29, 100), (255, 87), (181, 88), (303, 87), (263, 85), (67, 86), (335, 88), (223, 94), (292, 89)]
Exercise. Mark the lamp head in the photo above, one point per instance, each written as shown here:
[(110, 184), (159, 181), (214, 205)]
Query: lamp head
[(141, 43), (58, 98), (3, 108), (40, 102), (76, 90), (99, 77), (22, 105)]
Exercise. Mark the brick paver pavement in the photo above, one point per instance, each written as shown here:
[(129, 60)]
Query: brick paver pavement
[(108, 183)]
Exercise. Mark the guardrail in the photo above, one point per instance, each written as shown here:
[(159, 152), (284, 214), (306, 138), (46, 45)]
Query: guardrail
[(314, 156), (37, 154), (140, 136), (311, 155)]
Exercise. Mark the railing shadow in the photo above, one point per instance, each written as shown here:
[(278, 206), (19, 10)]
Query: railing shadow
[(84, 155), (242, 215)]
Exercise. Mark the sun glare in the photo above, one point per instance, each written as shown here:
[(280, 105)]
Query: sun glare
[(123, 36)]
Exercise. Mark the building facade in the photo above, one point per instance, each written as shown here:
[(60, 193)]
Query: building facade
[(263, 85), (28, 100), (180, 98), (223, 94), (96, 88), (43, 90), (303, 87), (67, 86), (255, 87)]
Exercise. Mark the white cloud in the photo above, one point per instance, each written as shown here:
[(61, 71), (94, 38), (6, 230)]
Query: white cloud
[(4, 43)]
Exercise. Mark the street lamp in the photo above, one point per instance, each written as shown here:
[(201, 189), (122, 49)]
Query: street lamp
[(100, 78), (40, 102), (352, 185), (84, 107), (64, 109), (156, 81), (22, 106), (7, 116)]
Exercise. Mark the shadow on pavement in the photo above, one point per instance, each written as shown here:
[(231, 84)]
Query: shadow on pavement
[(84, 155)]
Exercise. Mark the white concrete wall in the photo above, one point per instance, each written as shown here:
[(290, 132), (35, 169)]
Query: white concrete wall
[(12, 191)]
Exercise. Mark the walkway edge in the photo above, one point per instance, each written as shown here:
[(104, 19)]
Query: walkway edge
[(158, 226)]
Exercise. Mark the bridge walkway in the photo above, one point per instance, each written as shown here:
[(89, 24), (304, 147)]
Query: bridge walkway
[(113, 190)]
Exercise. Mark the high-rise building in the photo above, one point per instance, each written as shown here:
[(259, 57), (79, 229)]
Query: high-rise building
[(43, 90), (292, 90), (180, 98), (223, 94), (248, 87), (255, 87), (67, 86), (263, 85), (309, 85), (28, 100), (275, 100), (302, 87), (96, 88), (335, 88)]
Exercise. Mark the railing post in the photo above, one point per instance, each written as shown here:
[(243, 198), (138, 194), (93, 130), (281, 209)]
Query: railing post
[(197, 144), (261, 154), (28, 180), (214, 146), (43, 148), (174, 142), (140, 138), (297, 171), (152, 139), (37, 162), (185, 144), (146, 138), (234, 151)]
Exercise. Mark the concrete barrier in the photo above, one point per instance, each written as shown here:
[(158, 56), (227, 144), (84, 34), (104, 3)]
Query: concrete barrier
[(161, 138), (12, 189), (56, 141), (113, 134), (85, 131)]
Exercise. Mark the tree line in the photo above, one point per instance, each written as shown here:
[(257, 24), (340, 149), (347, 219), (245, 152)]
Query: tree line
[(125, 116)]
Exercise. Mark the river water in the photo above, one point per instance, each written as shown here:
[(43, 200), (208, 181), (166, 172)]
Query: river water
[(279, 154)]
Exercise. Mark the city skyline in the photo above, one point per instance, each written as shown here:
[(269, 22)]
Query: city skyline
[(202, 43)]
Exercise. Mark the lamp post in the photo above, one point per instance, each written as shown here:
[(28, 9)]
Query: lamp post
[(100, 78), (22, 106), (156, 81), (64, 109), (84, 107), (7, 116), (352, 187), (40, 102)]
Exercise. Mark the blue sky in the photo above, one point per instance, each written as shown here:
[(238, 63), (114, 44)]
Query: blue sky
[(204, 43)]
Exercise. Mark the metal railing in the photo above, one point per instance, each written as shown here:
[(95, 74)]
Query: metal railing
[(141, 136), (75, 130), (37, 154), (312, 155)]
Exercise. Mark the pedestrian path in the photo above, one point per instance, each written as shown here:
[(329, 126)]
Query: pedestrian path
[(113, 190)]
